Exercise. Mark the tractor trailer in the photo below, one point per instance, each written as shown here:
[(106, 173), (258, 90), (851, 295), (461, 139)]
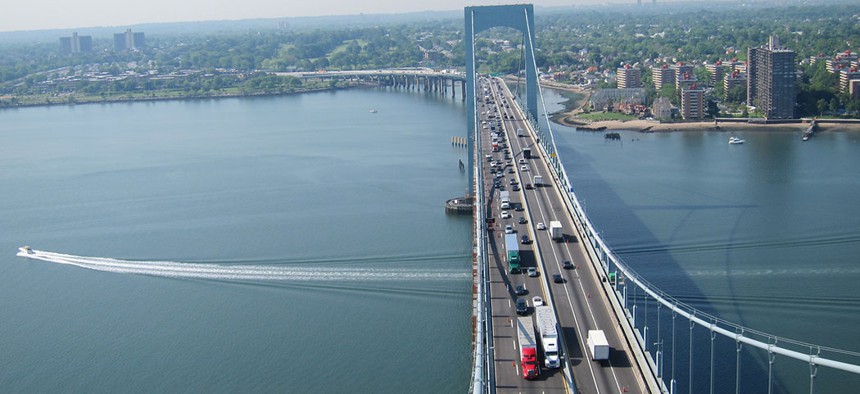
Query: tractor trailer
[(528, 347), (548, 328)]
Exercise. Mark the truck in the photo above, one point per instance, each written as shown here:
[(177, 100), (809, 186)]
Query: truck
[(513, 248), (521, 133), (505, 200), (548, 329), (597, 345), (556, 230), (527, 153), (538, 180), (528, 347)]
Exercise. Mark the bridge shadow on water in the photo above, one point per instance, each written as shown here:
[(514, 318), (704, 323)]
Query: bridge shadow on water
[(670, 336)]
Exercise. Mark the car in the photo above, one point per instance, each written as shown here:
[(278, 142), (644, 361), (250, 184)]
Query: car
[(529, 186), (540, 225), (567, 264), (532, 271), (523, 220), (506, 215), (524, 168), (521, 290), (514, 181), (501, 187), (509, 229), (537, 301), (526, 240), (510, 170), (522, 306), (522, 161), (557, 278), (518, 208), (515, 188)]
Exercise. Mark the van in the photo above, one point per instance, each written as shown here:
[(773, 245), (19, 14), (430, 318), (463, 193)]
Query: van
[(520, 133)]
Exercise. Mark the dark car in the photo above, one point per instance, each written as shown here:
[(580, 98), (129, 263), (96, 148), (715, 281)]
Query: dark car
[(526, 240), (521, 290), (516, 188), (523, 220), (518, 208), (529, 186), (522, 306), (567, 264), (557, 278)]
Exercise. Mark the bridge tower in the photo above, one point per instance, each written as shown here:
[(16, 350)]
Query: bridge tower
[(520, 17)]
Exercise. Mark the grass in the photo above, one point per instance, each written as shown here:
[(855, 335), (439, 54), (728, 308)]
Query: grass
[(599, 116)]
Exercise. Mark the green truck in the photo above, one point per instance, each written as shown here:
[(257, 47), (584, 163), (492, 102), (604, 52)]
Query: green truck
[(513, 248)]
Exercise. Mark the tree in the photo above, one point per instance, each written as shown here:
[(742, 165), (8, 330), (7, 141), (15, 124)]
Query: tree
[(834, 105), (821, 104)]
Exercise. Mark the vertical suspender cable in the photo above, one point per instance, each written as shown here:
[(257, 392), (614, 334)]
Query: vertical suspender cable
[(738, 363), (690, 365), (672, 382), (713, 336)]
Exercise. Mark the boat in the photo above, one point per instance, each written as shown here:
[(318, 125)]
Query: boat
[(26, 250), (809, 130), (735, 141), (373, 111)]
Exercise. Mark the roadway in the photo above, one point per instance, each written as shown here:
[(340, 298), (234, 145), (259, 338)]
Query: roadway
[(579, 302)]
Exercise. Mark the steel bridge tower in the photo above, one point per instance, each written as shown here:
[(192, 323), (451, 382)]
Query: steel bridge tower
[(520, 17)]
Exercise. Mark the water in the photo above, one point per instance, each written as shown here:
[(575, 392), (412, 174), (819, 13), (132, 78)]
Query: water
[(293, 243), (763, 234)]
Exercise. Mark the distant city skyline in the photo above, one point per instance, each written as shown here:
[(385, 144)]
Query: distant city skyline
[(48, 14)]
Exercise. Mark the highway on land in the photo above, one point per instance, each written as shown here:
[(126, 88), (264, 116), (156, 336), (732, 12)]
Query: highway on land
[(579, 302)]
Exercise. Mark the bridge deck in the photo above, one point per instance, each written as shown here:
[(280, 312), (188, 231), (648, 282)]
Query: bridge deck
[(579, 301)]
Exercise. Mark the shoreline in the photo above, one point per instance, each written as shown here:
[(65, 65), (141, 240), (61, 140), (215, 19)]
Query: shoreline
[(566, 117), (177, 98)]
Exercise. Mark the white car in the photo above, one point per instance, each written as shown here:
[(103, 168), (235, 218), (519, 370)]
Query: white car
[(524, 168), (506, 215), (537, 301), (540, 225), (509, 229)]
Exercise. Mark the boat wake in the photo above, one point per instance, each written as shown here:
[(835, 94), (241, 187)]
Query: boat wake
[(173, 269)]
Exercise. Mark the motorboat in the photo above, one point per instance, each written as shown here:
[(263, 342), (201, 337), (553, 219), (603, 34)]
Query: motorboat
[(735, 141), (373, 111), (25, 250)]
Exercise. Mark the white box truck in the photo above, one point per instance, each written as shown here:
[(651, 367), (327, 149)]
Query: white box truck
[(538, 180), (548, 328), (597, 345), (556, 232)]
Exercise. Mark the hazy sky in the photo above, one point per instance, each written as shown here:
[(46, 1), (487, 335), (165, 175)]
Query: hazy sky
[(63, 14)]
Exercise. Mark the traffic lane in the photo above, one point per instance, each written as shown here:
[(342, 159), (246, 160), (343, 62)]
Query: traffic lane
[(595, 311), (618, 359)]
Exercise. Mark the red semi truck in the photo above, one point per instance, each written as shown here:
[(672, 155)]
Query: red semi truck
[(528, 347)]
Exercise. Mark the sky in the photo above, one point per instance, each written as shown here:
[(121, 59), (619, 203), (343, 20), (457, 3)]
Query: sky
[(67, 14)]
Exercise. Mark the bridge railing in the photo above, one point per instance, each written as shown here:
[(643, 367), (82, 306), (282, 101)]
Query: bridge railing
[(624, 277)]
